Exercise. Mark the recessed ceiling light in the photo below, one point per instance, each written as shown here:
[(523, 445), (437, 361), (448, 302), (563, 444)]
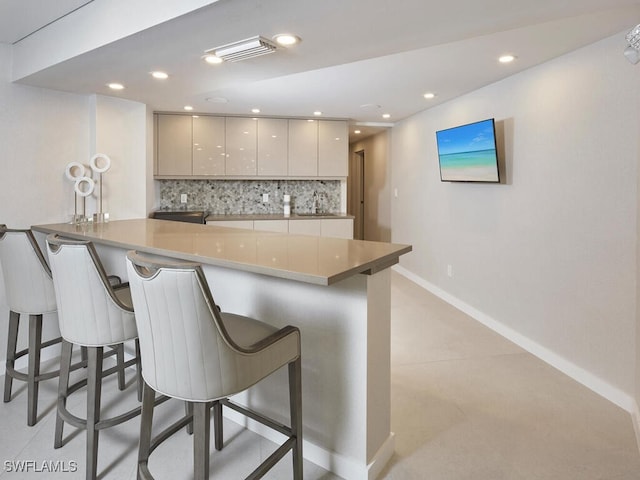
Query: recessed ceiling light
[(506, 59), (115, 86), (160, 75), (357, 132), (286, 39), (386, 115), (188, 108), (212, 59), (317, 113), (429, 95), (255, 110)]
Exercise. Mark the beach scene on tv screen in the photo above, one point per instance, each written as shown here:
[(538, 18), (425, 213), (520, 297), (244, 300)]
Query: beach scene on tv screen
[(468, 153)]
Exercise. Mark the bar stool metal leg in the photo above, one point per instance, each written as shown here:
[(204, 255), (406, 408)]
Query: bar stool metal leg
[(32, 377), (94, 388), (295, 405), (201, 439), (146, 422), (63, 386), (139, 370), (35, 343), (217, 425), (120, 361), (188, 411), (12, 345)]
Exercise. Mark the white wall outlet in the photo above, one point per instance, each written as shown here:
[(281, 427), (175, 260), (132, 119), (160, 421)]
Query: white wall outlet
[(265, 198), (450, 271), (183, 198)]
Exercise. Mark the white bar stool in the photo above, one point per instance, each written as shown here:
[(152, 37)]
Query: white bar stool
[(193, 352), (94, 314), (29, 291)]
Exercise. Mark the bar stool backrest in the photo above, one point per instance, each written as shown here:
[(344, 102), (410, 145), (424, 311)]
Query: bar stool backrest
[(185, 349), (27, 277), (90, 312)]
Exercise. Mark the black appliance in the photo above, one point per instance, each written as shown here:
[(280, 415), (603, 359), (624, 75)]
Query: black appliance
[(190, 216)]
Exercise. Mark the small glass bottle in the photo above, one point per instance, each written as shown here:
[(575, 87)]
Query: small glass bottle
[(287, 205)]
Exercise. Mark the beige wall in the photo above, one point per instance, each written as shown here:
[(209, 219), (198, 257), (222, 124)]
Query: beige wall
[(549, 258), (40, 132), (377, 221)]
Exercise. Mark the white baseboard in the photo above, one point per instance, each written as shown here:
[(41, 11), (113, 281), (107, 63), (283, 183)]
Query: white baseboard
[(382, 457), (635, 418), (579, 374)]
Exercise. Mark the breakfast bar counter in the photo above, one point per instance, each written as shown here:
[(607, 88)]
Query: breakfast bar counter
[(303, 258), (336, 291)]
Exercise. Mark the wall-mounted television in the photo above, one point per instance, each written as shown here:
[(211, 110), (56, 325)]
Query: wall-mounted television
[(468, 153)]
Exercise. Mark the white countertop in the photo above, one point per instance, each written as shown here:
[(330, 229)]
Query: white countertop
[(317, 260)]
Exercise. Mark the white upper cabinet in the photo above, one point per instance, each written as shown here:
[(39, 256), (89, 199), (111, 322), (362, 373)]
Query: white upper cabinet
[(303, 148), (209, 145), (241, 143), (273, 134), (173, 145), (333, 148)]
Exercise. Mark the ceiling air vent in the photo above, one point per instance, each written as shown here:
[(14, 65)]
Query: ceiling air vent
[(244, 49)]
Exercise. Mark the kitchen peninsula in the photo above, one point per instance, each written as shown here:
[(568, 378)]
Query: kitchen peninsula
[(337, 291)]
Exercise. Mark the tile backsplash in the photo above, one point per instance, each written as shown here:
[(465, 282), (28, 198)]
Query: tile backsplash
[(245, 196)]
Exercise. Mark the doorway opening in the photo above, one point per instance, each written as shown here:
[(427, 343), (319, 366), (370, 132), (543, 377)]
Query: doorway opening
[(356, 203)]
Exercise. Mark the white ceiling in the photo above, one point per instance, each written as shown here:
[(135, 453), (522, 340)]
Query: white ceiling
[(19, 18), (358, 58)]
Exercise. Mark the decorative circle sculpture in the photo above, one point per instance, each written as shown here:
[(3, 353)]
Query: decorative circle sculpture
[(89, 188), (94, 163), (74, 167)]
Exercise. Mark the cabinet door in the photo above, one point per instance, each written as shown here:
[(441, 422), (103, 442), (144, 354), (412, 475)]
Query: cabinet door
[(208, 145), (303, 148), (241, 141), (272, 146), (173, 145), (333, 148), (339, 228), (245, 224), (305, 227), (281, 226)]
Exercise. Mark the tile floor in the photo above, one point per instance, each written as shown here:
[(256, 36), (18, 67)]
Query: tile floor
[(466, 404)]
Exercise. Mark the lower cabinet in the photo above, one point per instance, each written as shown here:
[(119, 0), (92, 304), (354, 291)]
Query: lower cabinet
[(246, 224), (321, 227), (281, 226), (305, 227), (334, 227)]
